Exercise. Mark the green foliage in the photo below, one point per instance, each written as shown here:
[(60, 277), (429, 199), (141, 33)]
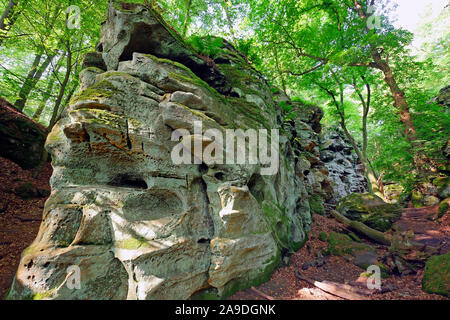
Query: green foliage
[(323, 236), (208, 45), (311, 50)]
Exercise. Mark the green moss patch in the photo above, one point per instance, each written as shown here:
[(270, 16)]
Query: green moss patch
[(316, 204), (341, 244), (370, 210), (436, 277)]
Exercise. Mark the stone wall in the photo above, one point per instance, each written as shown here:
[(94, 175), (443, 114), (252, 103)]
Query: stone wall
[(345, 171)]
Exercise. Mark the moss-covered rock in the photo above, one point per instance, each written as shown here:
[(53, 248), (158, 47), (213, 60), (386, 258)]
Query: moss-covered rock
[(416, 199), (25, 190), (316, 204), (444, 207), (443, 185), (436, 277), (341, 244), (370, 210), (393, 192)]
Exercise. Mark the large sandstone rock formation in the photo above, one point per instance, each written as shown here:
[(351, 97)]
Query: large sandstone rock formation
[(139, 226)]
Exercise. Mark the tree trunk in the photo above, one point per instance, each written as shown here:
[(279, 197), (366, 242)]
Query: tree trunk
[(399, 96), (421, 161), (283, 83), (366, 108), (30, 82), (46, 95), (225, 5), (187, 17), (8, 18), (361, 228), (56, 107), (61, 89)]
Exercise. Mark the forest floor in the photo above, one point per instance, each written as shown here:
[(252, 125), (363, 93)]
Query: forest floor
[(20, 220), (286, 285)]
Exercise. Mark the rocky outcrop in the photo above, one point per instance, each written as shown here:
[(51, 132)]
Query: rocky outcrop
[(136, 224), (21, 139), (345, 172)]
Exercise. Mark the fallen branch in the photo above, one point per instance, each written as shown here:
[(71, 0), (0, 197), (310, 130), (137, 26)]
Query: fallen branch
[(361, 228), (340, 290), (262, 294)]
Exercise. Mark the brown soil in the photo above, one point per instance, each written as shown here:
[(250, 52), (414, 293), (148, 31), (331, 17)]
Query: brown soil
[(19, 219), (284, 286)]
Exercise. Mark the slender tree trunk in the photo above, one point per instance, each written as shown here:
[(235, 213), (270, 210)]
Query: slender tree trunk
[(62, 88), (366, 108), (225, 5), (46, 95), (8, 18), (187, 17), (283, 83), (30, 76), (56, 106), (340, 109), (68, 96), (30, 82)]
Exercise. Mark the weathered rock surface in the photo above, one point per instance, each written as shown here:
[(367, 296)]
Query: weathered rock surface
[(21, 139), (141, 227), (345, 172)]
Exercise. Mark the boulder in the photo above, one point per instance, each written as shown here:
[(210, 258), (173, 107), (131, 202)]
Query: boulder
[(370, 210), (392, 192), (436, 275), (430, 201), (25, 191), (21, 138), (443, 185), (341, 244)]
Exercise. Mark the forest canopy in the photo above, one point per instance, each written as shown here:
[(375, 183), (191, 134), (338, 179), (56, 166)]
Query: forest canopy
[(345, 56)]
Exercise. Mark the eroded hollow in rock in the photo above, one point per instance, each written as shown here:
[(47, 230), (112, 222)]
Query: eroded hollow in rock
[(147, 39), (128, 181), (256, 186)]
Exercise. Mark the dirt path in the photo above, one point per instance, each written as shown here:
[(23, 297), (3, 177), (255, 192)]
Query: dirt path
[(284, 285), (426, 231)]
